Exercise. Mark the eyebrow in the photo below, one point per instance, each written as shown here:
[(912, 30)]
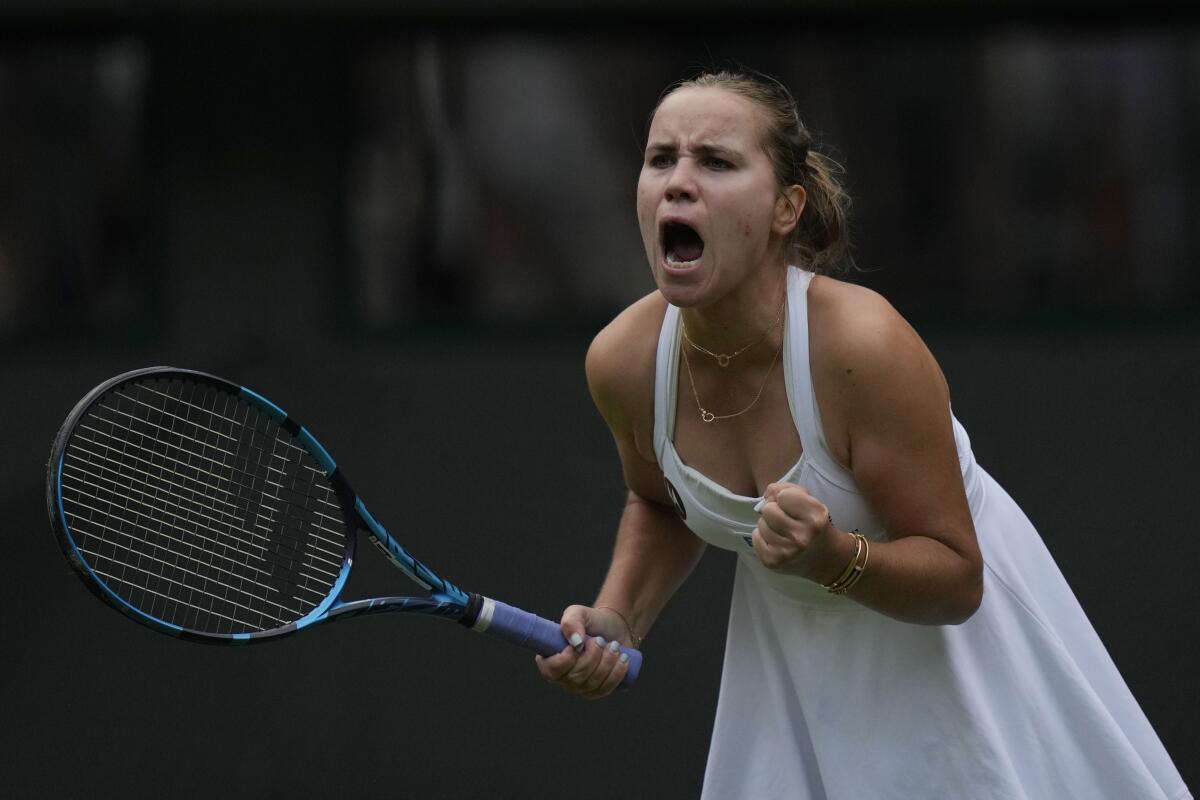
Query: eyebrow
[(701, 149)]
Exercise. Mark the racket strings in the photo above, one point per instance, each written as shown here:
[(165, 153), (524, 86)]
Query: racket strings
[(200, 510)]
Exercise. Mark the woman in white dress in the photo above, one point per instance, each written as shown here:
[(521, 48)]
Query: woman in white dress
[(897, 627)]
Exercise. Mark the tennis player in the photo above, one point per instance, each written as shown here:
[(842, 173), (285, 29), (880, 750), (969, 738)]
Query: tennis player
[(897, 629)]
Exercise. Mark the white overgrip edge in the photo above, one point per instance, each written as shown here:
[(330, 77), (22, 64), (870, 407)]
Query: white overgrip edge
[(484, 620)]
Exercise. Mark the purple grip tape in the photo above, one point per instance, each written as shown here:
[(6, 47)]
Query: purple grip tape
[(544, 637)]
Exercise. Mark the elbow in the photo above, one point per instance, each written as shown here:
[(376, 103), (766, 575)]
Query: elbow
[(969, 597)]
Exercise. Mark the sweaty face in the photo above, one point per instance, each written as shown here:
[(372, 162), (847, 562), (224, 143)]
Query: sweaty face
[(706, 196)]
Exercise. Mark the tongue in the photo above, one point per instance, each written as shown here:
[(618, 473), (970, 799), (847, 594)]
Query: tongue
[(688, 250), (686, 244)]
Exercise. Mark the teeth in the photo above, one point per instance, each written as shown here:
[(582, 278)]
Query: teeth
[(677, 263)]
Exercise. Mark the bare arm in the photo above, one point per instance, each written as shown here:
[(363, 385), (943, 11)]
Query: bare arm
[(891, 404), (904, 460), (654, 550), (654, 554)]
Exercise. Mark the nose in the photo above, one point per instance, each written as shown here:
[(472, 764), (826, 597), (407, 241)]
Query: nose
[(681, 184)]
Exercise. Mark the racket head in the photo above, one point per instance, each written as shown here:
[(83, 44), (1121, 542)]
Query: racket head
[(198, 508)]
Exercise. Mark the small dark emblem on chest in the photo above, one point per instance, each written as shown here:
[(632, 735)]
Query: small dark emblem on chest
[(676, 500)]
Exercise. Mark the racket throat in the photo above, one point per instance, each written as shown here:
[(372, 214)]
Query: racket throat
[(398, 562)]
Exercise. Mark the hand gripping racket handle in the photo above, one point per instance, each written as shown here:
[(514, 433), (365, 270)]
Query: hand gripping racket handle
[(536, 633)]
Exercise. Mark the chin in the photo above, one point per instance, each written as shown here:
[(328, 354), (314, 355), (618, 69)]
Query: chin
[(678, 298)]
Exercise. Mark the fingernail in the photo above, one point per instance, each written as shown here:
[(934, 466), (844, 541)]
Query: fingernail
[(576, 640), (624, 659), (600, 641), (614, 646)]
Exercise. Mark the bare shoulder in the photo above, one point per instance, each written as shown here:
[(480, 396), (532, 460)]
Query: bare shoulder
[(870, 369), (858, 335), (620, 370)]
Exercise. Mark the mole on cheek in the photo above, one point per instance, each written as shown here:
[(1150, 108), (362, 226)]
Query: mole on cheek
[(746, 229)]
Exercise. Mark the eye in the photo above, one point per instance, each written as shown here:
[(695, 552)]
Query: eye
[(660, 160), (719, 164)]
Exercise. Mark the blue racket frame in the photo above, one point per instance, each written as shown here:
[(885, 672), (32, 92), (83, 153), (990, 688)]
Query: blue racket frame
[(445, 599)]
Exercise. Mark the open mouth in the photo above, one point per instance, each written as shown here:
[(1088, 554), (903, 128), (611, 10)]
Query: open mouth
[(682, 246)]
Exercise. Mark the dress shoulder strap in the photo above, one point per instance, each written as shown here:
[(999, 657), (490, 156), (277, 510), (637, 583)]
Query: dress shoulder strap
[(801, 397), (666, 366)]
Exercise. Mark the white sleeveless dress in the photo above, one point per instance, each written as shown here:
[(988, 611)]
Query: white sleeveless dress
[(823, 698)]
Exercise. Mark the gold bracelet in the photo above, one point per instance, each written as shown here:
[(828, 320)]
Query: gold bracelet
[(633, 637), (858, 570), (858, 546)]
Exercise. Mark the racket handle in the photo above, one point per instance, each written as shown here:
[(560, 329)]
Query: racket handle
[(537, 633)]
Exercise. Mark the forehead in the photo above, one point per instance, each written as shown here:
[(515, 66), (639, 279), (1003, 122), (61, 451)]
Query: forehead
[(706, 115)]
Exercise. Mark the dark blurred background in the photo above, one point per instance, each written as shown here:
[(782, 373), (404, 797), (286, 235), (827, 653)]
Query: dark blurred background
[(404, 223)]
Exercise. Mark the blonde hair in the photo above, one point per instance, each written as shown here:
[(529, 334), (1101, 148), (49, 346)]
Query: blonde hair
[(821, 238)]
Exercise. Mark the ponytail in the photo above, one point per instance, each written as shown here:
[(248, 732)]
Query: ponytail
[(820, 239)]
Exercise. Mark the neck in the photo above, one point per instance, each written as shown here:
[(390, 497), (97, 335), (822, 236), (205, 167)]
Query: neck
[(740, 317)]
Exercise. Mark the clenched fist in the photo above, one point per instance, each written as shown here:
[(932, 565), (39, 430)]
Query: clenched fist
[(795, 534)]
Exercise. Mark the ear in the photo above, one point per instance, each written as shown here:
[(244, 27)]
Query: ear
[(789, 205)]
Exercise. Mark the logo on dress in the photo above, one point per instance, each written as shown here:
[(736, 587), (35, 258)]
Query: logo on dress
[(680, 509)]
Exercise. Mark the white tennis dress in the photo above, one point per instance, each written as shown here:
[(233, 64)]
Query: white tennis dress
[(823, 698)]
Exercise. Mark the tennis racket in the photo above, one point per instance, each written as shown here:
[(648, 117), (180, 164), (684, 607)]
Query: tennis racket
[(200, 509)]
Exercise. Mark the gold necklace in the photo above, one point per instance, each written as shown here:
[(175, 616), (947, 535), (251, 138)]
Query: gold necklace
[(709, 416), (723, 359)]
